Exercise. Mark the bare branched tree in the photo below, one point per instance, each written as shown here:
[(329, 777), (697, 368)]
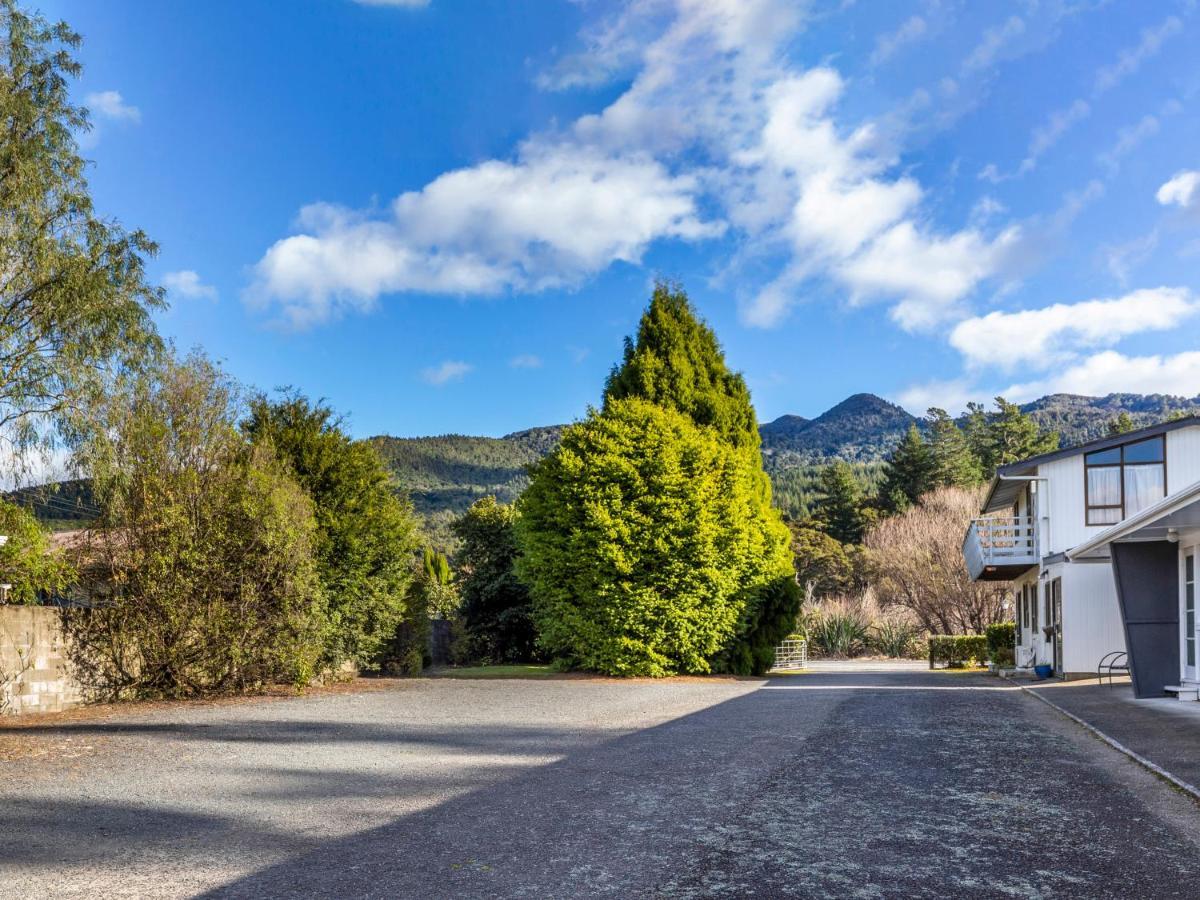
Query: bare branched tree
[(917, 563)]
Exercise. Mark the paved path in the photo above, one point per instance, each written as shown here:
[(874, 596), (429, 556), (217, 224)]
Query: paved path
[(870, 784)]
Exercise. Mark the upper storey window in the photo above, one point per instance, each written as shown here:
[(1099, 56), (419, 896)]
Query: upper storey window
[(1121, 481)]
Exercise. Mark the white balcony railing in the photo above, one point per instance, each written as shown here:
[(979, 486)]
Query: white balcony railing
[(1001, 547)]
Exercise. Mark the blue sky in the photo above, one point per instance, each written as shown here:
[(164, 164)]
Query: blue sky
[(444, 216)]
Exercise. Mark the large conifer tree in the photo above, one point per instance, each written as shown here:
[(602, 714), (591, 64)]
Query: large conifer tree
[(953, 463), (674, 363), (909, 471)]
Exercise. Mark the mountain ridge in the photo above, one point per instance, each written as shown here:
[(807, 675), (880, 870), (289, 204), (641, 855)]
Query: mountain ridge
[(444, 474)]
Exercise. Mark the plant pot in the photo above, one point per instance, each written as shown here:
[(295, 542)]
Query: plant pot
[(1043, 672)]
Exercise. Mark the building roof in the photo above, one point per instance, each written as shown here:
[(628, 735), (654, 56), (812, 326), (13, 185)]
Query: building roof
[(1002, 493), (1154, 523)]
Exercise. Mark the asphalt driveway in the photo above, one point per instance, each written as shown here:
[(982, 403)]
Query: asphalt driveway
[(833, 783)]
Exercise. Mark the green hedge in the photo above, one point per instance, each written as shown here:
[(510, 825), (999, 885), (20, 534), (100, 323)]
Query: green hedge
[(957, 650), (1002, 643)]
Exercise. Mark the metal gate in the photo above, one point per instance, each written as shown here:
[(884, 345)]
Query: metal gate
[(791, 654)]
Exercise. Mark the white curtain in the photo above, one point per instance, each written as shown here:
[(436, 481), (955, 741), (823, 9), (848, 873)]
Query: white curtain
[(1104, 486), (1143, 487)]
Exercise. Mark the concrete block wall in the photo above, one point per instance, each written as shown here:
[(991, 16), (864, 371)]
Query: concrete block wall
[(34, 676)]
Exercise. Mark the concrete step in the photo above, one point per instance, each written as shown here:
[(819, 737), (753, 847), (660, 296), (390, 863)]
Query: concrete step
[(1183, 691)]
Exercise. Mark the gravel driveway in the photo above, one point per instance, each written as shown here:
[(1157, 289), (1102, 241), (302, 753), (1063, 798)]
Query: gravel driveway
[(834, 783)]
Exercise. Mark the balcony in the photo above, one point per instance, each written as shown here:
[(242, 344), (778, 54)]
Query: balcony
[(1000, 548)]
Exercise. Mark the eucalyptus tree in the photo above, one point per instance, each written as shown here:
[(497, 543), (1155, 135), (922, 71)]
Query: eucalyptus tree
[(75, 301)]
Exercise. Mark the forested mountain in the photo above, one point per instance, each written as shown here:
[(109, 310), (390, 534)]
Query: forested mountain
[(446, 474)]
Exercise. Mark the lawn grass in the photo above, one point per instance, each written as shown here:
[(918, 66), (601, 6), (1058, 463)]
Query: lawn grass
[(511, 671)]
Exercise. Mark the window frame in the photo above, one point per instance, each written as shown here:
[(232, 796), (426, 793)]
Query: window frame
[(1120, 466)]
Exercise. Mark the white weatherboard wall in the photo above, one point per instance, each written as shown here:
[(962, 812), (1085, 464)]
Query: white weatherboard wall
[(1067, 502), (1091, 615)]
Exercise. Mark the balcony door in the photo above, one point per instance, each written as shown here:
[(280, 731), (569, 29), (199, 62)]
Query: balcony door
[(1187, 616)]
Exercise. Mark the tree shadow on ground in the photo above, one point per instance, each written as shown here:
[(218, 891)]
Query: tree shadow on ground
[(773, 793)]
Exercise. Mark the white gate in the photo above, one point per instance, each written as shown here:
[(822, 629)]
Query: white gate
[(791, 654)]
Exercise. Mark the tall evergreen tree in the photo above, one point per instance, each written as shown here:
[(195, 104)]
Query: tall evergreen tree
[(366, 534), (1015, 436), (839, 510), (676, 362), (1121, 424), (978, 436), (953, 463), (909, 472)]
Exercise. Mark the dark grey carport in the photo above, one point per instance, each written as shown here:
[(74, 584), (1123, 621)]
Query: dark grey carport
[(1145, 561)]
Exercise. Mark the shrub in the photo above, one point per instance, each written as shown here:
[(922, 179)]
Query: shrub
[(957, 650), (837, 628), (495, 604), (894, 635), (767, 622), (643, 540), (202, 564), (1002, 643)]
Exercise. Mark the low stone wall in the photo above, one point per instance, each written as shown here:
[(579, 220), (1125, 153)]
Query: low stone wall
[(33, 668)]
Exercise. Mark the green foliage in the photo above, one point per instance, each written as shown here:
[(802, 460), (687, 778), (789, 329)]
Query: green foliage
[(894, 636), (73, 286), (1002, 643), (26, 560), (495, 604), (909, 471), (676, 363), (957, 650), (643, 540), (840, 508), (202, 564), (953, 462), (366, 535), (445, 475), (826, 567), (1120, 424), (1013, 436), (768, 619), (838, 628), (796, 489)]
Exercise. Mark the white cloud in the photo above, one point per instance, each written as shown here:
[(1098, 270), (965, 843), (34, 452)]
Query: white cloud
[(111, 105), (952, 395), (887, 45), (526, 361), (1122, 259), (1131, 137), (555, 215), (717, 131), (1182, 190), (1043, 338), (1130, 59), (1111, 372), (611, 46), (187, 283), (993, 43), (446, 372)]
